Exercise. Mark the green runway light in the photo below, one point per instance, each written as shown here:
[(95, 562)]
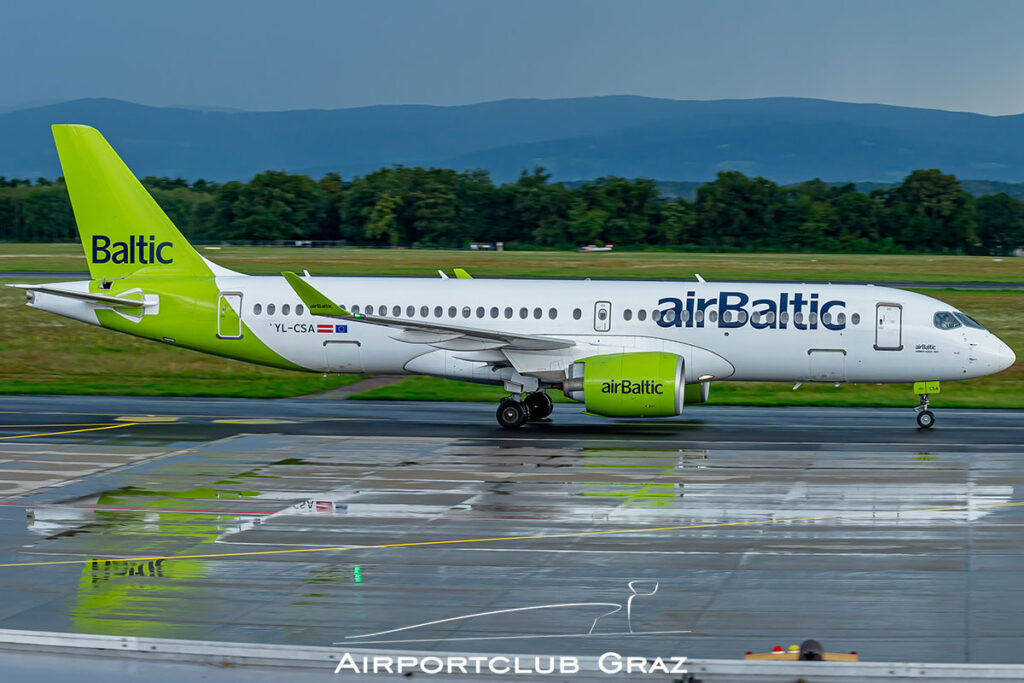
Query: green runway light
[(357, 574)]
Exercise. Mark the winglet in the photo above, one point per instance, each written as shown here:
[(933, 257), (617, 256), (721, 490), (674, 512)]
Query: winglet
[(316, 302), (461, 274)]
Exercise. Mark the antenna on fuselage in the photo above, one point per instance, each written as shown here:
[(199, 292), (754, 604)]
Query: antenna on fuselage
[(699, 278)]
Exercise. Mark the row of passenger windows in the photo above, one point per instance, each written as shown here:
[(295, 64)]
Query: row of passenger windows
[(552, 313), (286, 309)]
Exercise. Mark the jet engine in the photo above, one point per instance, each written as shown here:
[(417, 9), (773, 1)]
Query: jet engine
[(641, 384)]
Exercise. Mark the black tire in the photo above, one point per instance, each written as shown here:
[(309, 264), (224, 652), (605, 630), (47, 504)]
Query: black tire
[(539, 405), (512, 414), (926, 419)]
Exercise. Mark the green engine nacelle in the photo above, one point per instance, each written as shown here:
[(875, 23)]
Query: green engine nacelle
[(642, 384)]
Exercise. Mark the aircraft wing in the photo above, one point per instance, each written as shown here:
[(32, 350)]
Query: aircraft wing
[(437, 334), (102, 299)]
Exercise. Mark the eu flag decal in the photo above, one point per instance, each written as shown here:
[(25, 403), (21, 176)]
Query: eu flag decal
[(341, 329)]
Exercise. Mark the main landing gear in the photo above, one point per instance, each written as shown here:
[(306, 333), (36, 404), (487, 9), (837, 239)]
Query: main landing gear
[(925, 417), (513, 413)]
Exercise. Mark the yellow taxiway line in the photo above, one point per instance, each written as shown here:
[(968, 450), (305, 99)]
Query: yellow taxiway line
[(69, 431)]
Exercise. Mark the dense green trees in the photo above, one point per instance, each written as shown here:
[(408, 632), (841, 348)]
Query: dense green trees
[(928, 212)]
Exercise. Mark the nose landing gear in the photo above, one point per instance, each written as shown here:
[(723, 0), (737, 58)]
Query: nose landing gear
[(925, 417)]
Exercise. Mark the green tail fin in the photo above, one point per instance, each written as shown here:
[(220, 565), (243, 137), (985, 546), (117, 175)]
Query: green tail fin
[(123, 230)]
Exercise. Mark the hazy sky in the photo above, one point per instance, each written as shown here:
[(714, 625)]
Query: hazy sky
[(291, 54)]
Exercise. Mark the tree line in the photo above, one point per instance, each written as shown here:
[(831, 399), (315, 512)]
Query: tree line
[(436, 207)]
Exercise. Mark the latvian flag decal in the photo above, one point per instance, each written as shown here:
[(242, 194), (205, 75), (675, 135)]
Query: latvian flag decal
[(332, 329)]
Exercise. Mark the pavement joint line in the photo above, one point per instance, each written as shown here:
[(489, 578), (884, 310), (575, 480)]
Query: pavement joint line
[(577, 534), (70, 431)]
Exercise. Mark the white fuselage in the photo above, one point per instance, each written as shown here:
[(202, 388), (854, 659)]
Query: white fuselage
[(798, 332)]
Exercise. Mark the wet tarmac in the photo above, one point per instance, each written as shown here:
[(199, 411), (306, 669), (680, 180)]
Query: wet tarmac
[(427, 527)]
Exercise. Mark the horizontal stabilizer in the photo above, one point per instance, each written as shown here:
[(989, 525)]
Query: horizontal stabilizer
[(101, 299)]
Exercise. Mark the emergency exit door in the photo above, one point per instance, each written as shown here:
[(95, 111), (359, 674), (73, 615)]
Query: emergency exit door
[(229, 321), (888, 327)]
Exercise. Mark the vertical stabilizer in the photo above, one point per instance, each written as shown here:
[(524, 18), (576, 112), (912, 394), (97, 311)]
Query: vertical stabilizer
[(123, 230)]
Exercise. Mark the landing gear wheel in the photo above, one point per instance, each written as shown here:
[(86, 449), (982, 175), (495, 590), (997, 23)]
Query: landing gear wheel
[(512, 414), (925, 419), (539, 405)]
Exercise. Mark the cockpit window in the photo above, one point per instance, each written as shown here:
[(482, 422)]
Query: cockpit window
[(968, 320), (944, 320)]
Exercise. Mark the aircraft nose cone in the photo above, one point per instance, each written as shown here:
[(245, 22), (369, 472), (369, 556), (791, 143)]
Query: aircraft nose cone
[(1004, 356)]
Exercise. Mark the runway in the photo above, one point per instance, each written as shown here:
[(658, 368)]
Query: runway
[(426, 526)]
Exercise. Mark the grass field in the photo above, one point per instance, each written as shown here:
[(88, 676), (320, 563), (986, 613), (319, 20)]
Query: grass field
[(42, 353), (425, 262)]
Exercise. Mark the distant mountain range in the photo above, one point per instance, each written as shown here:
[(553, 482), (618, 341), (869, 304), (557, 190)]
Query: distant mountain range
[(785, 139)]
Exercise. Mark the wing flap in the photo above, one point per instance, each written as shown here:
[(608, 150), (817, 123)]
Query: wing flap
[(452, 337)]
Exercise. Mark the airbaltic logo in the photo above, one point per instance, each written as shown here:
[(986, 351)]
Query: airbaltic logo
[(137, 249), (803, 313), (644, 386)]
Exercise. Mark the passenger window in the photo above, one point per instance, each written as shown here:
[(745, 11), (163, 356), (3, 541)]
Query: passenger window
[(641, 314), (755, 318), (713, 316), (576, 314), (369, 310), (784, 317), (813, 318), (699, 316), (508, 312), (669, 316), (727, 317), (424, 311), (826, 318), (537, 313), (655, 315), (494, 311), (382, 311), (684, 316), (552, 313), (479, 311), (841, 318), (466, 312), (410, 311), (523, 312), (452, 311), (855, 318), (627, 314), (798, 318), (270, 309), (257, 309), (355, 309), (286, 309), (438, 311), (299, 310), (770, 317)]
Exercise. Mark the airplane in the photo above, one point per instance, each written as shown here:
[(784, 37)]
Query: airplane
[(626, 349)]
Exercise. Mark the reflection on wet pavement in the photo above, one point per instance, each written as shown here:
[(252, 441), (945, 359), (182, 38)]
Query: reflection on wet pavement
[(486, 545)]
